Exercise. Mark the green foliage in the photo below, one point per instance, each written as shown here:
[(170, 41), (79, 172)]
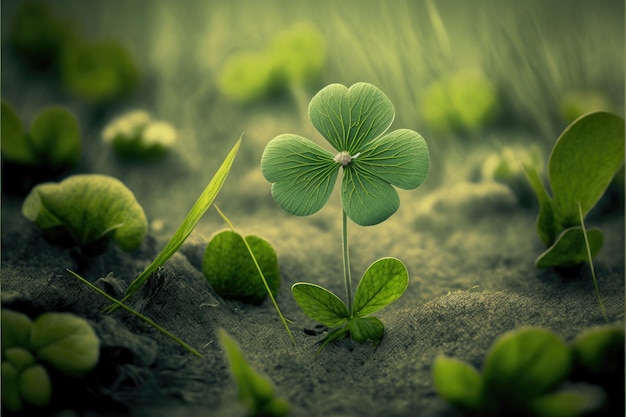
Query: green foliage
[(293, 59), (232, 272), (383, 283), (579, 102), (88, 210), (353, 121), (98, 71), (62, 341), (137, 135), (256, 390), (464, 101), (600, 349), (523, 374), (53, 141), (582, 164), (200, 207)]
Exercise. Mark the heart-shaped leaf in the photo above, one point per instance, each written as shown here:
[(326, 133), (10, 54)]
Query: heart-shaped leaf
[(570, 249), (363, 329), (349, 118), (303, 174), (367, 199), (523, 364), (231, 271), (384, 282), (320, 304), (583, 163)]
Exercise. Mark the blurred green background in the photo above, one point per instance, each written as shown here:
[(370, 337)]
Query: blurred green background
[(470, 76)]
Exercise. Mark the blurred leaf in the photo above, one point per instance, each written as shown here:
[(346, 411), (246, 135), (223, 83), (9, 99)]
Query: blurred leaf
[(299, 52), (55, 137), (320, 304), (457, 382), (384, 282), (600, 349), (16, 329), (569, 402), (34, 386), (15, 145)]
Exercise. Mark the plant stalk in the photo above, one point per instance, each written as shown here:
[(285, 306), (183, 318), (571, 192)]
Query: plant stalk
[(346, 261), (593, 270)]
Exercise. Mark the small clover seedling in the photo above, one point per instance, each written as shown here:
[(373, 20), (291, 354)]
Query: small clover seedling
[(302, 173), (62, 341), (87, 210), (582, 164), (256, 390), (522, 375), (52, 142), (137, 135)]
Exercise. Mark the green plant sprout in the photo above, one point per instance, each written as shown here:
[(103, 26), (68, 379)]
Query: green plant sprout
[(292, 61), (256, 390), (87, 210), (52, 142), (98, 71), (262, 260), (62, 341), (522, 375), (581, 166), (198, 209), (354, 121), (137, 135), (464, 101)]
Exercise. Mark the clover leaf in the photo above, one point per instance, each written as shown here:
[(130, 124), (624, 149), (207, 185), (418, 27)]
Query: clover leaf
[(88, 210), (231, 271), (354, 121), (383, 283)]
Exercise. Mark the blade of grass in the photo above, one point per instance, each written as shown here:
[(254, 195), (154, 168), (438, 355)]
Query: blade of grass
[(593, 270), (136, 313), (197, 211), (269, 292)]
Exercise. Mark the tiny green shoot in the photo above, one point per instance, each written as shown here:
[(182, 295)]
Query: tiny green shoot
[(269, 261), (189, 223), (354, 121), (256, 390)]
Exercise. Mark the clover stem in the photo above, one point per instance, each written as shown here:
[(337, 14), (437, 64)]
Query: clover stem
[(590, 259), (346, 261)]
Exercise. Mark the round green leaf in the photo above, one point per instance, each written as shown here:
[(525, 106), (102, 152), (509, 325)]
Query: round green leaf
[(349, 118), (35, 386), (384, 282), (55, 137), (303, 174), (249, 76), (457, 382), (11, 399), (523, 364), (231, 271), (363, 329), (15, 145), (16, 329), (399, 158), (90, 208), (569, 249), (19, 357), (583, 162), (65, 341), (320, 304), (600, 350)]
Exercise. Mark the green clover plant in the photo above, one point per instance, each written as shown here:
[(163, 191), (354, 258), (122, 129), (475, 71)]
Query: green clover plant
[(523, 374), (354, 121)]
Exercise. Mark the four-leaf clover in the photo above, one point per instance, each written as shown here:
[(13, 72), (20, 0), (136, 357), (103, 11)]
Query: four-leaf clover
[(354, 121)]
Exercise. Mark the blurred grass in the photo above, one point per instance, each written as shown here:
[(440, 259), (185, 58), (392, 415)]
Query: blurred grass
[(535, 52)]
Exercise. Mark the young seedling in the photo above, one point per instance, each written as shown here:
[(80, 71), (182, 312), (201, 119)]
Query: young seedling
[(52, 143), (62, 341), (302, 173), (582, 164), (87, 211), (137, 135), (522, 374), (256, 390)]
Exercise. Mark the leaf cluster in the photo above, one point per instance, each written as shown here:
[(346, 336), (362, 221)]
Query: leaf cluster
[(62, 341), (294, 57), (87, 210), (581, 166), (526, 372), (384, 282), (52, 142)]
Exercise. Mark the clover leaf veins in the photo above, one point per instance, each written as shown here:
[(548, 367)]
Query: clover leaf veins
[(87, 211), (354, 121)]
